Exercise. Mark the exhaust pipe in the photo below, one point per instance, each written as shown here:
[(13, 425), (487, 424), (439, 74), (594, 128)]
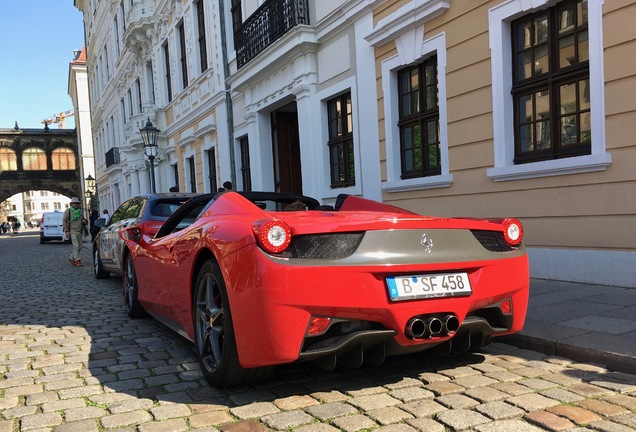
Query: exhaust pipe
[(418, 328), (415, 328), (450, 324), (434, 326)]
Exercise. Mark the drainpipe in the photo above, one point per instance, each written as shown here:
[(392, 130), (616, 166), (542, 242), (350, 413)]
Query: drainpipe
[(228, 96)]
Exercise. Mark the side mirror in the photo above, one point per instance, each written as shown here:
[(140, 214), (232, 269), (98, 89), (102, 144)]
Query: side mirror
[(99, 222), (131, 234)]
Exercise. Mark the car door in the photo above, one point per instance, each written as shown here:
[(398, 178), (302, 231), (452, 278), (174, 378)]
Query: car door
[(109, 235), (131, 217)]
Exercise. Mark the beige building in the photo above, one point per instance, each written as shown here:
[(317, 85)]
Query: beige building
[(461, 108), (532, 122)]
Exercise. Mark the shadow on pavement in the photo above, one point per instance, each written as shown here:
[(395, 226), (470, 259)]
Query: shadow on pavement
[(61, 320)]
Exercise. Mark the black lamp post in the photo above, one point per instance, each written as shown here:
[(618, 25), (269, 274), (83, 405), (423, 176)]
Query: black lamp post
[(150, 134), (89, 183)]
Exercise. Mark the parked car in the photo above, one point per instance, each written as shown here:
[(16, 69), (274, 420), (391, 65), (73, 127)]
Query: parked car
[(254, 285), (51, 227), (147, 211)]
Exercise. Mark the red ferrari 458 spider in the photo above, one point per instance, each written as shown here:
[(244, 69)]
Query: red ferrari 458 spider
[(257, 279)]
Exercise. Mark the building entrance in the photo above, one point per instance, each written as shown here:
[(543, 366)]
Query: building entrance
[(286, 150)]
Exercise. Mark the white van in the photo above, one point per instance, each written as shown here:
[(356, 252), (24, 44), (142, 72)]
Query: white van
[(51, 227)]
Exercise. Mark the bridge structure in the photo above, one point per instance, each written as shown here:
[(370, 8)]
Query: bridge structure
[(39, 159)]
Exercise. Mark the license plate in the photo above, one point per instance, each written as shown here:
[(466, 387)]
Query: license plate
[(428, 286)]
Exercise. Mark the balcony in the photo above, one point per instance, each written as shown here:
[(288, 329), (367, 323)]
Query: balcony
[(112, 157), (266, 25), (139, 26)]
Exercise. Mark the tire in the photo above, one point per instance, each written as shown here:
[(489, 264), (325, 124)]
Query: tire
[(98, 268), (42, 241), (131, 290), (214, 333)]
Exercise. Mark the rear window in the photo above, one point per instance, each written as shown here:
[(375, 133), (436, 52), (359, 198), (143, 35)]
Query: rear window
[(164, 207)]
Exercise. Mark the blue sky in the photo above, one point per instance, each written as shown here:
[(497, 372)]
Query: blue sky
[(37, 39)]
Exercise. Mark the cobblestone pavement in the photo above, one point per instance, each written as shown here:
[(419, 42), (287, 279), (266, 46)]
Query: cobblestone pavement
[(70, 360)]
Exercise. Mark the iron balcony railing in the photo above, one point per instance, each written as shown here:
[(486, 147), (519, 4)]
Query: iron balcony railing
[(112, 156), (266, 25)]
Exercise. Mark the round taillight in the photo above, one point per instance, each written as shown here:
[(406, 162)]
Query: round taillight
[(274, 236), (513, 231)]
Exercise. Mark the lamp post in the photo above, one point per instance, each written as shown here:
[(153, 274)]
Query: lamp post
[(89, 183), (150, 134)]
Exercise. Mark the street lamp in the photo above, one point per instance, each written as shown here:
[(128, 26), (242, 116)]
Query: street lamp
[(89, 183), (150, 134)]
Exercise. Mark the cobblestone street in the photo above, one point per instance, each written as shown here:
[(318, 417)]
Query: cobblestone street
[(70, 360)]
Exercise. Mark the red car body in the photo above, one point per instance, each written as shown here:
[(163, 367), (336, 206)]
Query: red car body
[(327, 297)]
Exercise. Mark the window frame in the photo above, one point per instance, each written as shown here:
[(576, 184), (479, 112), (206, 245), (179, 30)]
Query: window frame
[(201, 36), (421, 117), (211, 163), (434, 46), (500, 36), (540, 83), (192, 175), (167, 75), (183, 57), (246, 170), (342, 143)]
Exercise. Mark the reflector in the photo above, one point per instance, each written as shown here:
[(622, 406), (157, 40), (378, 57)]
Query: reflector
[(318, 325)]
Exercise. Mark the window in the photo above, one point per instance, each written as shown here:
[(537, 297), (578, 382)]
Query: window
[(130, 102), (139, 104), (150, 81), (211, 156), (123, 16), (34, 159), (183, 58), (408, 165), (341, 158), (63, 159), (237, 18), (203, 55), (175, 173), (117, 40), (419, 120), (122, 108), (106, 64), (133, 210), (192, 174), (57, 206), (166, 57), (246, 172), (554, 127), (551, 85), (8, 160), (44, 206)]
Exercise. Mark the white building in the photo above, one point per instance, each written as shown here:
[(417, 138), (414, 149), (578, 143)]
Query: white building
[(444, 108), (78, 91)]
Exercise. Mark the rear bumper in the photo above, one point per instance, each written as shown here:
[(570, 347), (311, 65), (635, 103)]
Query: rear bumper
[(272, 303)]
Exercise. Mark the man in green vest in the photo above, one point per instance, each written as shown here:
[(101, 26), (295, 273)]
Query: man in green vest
[(74, 226)]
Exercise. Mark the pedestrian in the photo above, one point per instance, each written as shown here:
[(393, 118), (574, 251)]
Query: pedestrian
[(93, 229), (106, 217), (74, 225), (227, 185)]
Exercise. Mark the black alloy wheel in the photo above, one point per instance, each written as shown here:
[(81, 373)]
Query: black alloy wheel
[(131, 299), (214, 332), (98, 268)]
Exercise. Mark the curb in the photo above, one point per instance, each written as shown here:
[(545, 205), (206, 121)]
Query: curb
[(614, 361)]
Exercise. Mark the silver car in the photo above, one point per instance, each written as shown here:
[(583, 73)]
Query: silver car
[(148, 211)]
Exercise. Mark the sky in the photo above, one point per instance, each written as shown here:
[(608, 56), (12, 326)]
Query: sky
[(37, 39)]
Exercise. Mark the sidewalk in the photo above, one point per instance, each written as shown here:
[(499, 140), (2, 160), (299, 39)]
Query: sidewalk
[(587, 323)]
